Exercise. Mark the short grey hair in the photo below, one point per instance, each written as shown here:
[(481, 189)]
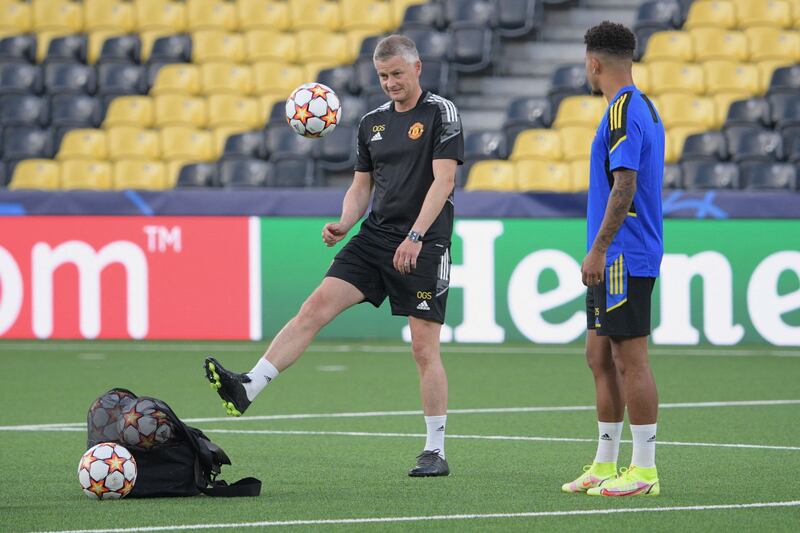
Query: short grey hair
[(396, 45)]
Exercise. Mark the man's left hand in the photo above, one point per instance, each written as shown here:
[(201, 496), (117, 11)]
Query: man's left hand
[(593, 269), (405, 257)]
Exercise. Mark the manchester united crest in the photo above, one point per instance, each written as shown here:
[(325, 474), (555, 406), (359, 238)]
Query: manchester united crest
[(415, 131)]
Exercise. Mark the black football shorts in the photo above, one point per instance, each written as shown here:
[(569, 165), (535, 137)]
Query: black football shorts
[(620, 307)]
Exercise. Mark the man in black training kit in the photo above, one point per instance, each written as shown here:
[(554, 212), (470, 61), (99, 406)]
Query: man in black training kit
[(408, 149)]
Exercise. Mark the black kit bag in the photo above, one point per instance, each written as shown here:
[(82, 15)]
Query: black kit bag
[(172, 459)]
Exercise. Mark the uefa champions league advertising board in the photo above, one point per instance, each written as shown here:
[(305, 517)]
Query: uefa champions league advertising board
[(724, 282)]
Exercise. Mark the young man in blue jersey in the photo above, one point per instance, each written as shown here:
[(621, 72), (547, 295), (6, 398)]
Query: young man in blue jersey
[(624, 250)]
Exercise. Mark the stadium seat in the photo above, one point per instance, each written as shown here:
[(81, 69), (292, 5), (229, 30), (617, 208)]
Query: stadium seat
[(134, 111), (263, 45), (15, 17), (757, 175), (334, 152), (83, 144), (727, 76), (576, 142), (139, 174), (435, 77), (745, 144), (641, 77), (67, 48), (248, 144), (530, 112), (180, 142), (580, 111), (314, 15), (353, 108), (772, 43), (791, 144), (61, 15), (718, 43), (246, 173), (366, 14), (569, 80), (126, 142), (430, 44), (226, 78), (109, 15), (516, 18), (722, 103), (258, 14), (710, 175), (95, 43), (233, 110), (337, 78), (148, 39), (660, 14), (784, 110), (23, 142), (198, 175), (711, 14), (175, 47), (479, 12), (273, 77), (355, 41), (673, 179), (21, 110), (293, 170), (680, 109), (364, 77), (121, 49), (36, 174), (485, 144), (543, 176), (672, 76), (579, 175), (215, 45), (537, 143), (69, 78), (18, 48), (675, 139), (177, 79), (765, 70), (279, 140), (785, 79), (471, 46), (120, 79), (211, 15), (492, 175), (180, 110), (80, 174), (669, 46), (423, 16), (160, 15), (750, 112), (308, 46), (706, 146), (776, 13), (71, 110)]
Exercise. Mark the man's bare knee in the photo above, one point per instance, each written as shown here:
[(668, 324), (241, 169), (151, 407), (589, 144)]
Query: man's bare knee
[(315, 311)]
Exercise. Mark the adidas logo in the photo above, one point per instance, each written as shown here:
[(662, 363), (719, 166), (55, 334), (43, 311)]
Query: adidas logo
[(377, 137), (605, 436), (652, 439), (441, 428), (423, 306)]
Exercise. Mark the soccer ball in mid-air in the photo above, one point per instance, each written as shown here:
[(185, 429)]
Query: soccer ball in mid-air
[(144, 425), (313, 110), (107, 471)]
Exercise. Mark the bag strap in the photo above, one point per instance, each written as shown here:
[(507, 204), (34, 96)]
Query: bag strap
[(248, 486)]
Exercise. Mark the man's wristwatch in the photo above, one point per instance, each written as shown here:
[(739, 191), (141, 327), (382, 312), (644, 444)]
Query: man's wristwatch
[(413, 236)]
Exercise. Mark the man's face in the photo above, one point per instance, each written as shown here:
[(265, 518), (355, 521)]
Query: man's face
[(399, 79), (593, 73)]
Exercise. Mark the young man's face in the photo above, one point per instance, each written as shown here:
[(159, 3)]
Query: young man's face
[(399, 79)]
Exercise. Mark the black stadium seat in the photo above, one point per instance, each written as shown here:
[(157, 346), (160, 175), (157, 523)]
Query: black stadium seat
[(791, 144), (485, 144), (364, 77), (708, 175), (337, 78), (118, 79), (470, 46), (785, 79), (750, 112), (662, 14), (4, 178), (177, 48), (785, 110), (567, 80), (69, 78), (67, 110), (249, 144), (353, 108), (368, 44), (335, 152), (246, 173), (706, 146), (20, 78), (69, 48), (198, 175), (475, 11), (525, 113), (423, 16), (435, 77), (642, 38), (21, 110), (430, 44), (121, 49), (516, 18), (754, 145), (294, 170), (26, 142), (673, 178), (757, 175), (280, 139), (18, 48)]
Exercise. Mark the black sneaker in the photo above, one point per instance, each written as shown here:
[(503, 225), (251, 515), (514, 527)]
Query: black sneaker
[(228, 385), (430, 463)]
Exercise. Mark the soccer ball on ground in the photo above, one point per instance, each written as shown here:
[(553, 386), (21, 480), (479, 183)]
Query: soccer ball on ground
[(313, 110), (107, 471), (144, 425)]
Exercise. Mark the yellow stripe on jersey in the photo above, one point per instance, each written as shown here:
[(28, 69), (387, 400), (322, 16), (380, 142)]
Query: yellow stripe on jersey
[(617, 143)]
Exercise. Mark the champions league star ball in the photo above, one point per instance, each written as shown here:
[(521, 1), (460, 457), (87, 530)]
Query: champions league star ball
[(105, 412), (313, 110), (144, 425), (107, 471)]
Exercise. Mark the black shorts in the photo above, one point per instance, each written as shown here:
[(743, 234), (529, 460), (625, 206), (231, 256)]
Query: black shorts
[(366, 263), (620, 307)]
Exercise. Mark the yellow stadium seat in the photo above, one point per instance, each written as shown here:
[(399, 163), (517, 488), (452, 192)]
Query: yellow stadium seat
[(641, 77), (309, 49), (126, 142), (681, 109), (539, 143), (728, 76), (579, 173), (109, 15), (57, 15), (260, 14), (140, 174), (796, 12), (765, 70), (314, 15), (177, 79), (312, 70), (366, 14), (399, 9), (78, 174), (36, 174), (173, 170), (83, 144), (15, 16), (180, 142), (717, 43), (43, 38), (229, 109), (268, 45), (711, 14), (722, 102), (772, 43), (180, 110), (221, 134), (354, 40), (669, 46), (580, 111), (149, 37), (492, 175), (543, 176), (134, 111), (674, 141), (752, 13), (226, 78), (671, 76), (266, 102), (576, 142), (272, 77), (211, 15), (215, 45), (160, 15)]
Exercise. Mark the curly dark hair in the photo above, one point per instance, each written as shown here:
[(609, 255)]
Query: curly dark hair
[(610, 38)]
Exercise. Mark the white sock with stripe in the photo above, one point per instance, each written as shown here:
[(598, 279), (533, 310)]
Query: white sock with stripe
[(644, 445), (260, 376), (436, 426), (609, 434)]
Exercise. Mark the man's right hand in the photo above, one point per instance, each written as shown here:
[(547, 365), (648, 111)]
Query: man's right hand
[(333, 232)]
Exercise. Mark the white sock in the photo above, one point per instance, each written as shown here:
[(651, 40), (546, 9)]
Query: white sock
[(609, 434), (260, 377), (436, 426), (644, 445)]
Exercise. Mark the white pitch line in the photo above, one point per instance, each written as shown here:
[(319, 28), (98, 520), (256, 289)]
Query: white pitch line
[(477, 411), (436, 518)]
